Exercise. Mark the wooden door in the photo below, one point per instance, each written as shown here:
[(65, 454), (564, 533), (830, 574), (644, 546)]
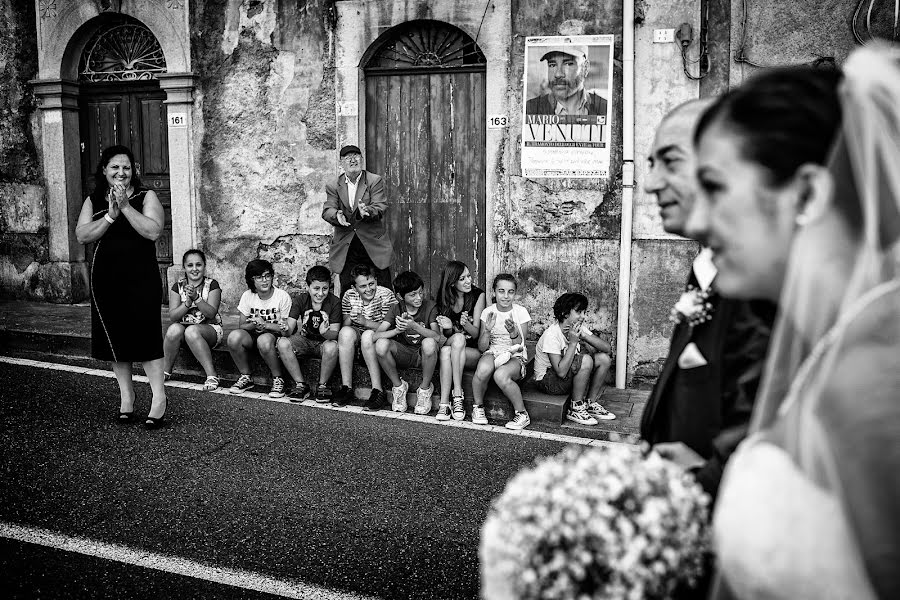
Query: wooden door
[(425, 133), (133, 115)]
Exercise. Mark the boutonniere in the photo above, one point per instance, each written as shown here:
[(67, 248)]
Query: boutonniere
[(693, 307)]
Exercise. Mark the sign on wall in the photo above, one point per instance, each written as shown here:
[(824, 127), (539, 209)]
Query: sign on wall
[(567, 110)]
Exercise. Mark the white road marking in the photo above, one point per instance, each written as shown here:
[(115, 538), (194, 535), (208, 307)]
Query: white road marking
[(383, 414), (247, 580)]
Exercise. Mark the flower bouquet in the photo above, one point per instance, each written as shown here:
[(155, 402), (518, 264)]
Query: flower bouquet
[(693, 307), (595, 523)]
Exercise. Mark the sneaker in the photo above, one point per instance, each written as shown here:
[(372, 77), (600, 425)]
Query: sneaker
[(578, 413), (399, 393), (423, 400), (478, 416), (277, 390), (323, 394), (596, 410), (300, 392), (443, 412), (376, 401), (240, 386), (342, 397), (211, 383), (459, 409), (520, 421)]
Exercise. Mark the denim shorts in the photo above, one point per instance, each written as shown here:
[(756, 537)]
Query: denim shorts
[(303, 346), (406, 357), (555, 385)]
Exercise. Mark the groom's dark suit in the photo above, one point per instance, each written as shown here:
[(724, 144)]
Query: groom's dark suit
[(708, 407)]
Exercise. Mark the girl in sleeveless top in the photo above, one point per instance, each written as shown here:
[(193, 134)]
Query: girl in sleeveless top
[(459, 306), (194, 311)]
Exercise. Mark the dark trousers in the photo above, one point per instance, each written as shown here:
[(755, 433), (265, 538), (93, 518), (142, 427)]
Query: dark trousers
[(357, 255)]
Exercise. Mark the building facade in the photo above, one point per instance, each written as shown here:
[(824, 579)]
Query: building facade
[(235, 110)]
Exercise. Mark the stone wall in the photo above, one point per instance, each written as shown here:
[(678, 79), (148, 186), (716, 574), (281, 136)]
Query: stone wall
[(562, 235), (23, 212), (265, 132)]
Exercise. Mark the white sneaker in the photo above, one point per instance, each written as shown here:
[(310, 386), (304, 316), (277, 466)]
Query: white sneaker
[(443, 413), (520, 421), (399, 393), (423, 400), (478, 416), (240, 386), (596, 410), (579, 414), (277, 388)]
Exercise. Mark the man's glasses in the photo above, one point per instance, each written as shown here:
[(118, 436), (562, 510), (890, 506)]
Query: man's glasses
[(263, 277)]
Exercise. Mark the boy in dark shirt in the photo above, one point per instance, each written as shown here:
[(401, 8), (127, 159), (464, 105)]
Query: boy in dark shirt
[(409, 337), (317, 314)]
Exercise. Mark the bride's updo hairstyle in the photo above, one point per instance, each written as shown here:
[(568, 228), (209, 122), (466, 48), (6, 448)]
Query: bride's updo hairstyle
[(782, 118)]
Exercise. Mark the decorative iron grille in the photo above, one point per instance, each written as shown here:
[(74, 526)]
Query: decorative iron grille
[(426, 45), (128, 52)]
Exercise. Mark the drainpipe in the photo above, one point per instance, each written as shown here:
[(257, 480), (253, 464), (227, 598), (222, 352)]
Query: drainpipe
[(627, 191)]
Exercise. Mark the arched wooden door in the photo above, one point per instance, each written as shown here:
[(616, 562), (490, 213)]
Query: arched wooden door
[(425, 133), (120, 102)]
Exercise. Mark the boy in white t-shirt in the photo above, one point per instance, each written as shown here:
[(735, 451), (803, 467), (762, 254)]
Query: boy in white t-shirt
[(265, 316), (569, 357), (504, 326)]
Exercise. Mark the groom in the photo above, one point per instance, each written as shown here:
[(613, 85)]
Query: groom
[(700, 407)]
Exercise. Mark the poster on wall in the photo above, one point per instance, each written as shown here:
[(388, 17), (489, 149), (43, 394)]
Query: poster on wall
[(567, 108)]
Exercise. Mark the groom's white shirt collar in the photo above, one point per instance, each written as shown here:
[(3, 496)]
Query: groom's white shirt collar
[(704, 269)]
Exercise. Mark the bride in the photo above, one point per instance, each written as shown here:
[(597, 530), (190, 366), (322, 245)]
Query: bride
[(810, 503)]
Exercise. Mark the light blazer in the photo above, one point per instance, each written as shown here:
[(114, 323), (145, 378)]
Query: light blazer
[(370, 230), (708, 407)]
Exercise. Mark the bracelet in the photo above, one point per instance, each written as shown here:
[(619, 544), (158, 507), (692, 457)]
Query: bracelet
[(108, 218)]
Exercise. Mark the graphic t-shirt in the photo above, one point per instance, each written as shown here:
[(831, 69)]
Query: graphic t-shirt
[(425, 316), (193, 316), (277, 307), (500, 339), (352, 304), (309, 319)]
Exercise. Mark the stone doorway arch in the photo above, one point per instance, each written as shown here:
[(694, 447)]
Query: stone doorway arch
[(64, 29)]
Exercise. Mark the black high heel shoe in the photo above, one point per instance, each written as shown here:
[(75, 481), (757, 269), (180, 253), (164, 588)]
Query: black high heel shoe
[(125, 418), (157, 422)]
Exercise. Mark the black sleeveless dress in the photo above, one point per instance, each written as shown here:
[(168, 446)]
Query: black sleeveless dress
[(125, 293)]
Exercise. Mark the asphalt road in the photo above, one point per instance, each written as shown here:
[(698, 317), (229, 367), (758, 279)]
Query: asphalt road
[(349, 502)]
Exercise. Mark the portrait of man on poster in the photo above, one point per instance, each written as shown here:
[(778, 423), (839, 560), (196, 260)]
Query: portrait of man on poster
[(568, 67)]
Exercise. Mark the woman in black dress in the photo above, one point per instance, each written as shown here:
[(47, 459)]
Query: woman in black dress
[(123, 220)]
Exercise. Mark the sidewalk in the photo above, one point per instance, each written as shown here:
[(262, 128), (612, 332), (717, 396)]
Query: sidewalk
[(61, 333)]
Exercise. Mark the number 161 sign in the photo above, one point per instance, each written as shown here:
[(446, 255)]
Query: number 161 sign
[(177, 120)]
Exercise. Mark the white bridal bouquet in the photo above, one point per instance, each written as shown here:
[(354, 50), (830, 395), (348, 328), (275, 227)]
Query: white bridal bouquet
[(595, 523)]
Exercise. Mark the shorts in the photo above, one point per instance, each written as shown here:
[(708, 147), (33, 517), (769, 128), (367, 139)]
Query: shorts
[(406, 357), (220, 333), (303, 346), (501, 357), (555, 385)]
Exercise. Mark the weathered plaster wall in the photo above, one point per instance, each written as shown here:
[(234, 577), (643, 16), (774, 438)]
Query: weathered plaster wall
[(659, 261), (562, 235), (265, 131), (23, 212), (782, 33)]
